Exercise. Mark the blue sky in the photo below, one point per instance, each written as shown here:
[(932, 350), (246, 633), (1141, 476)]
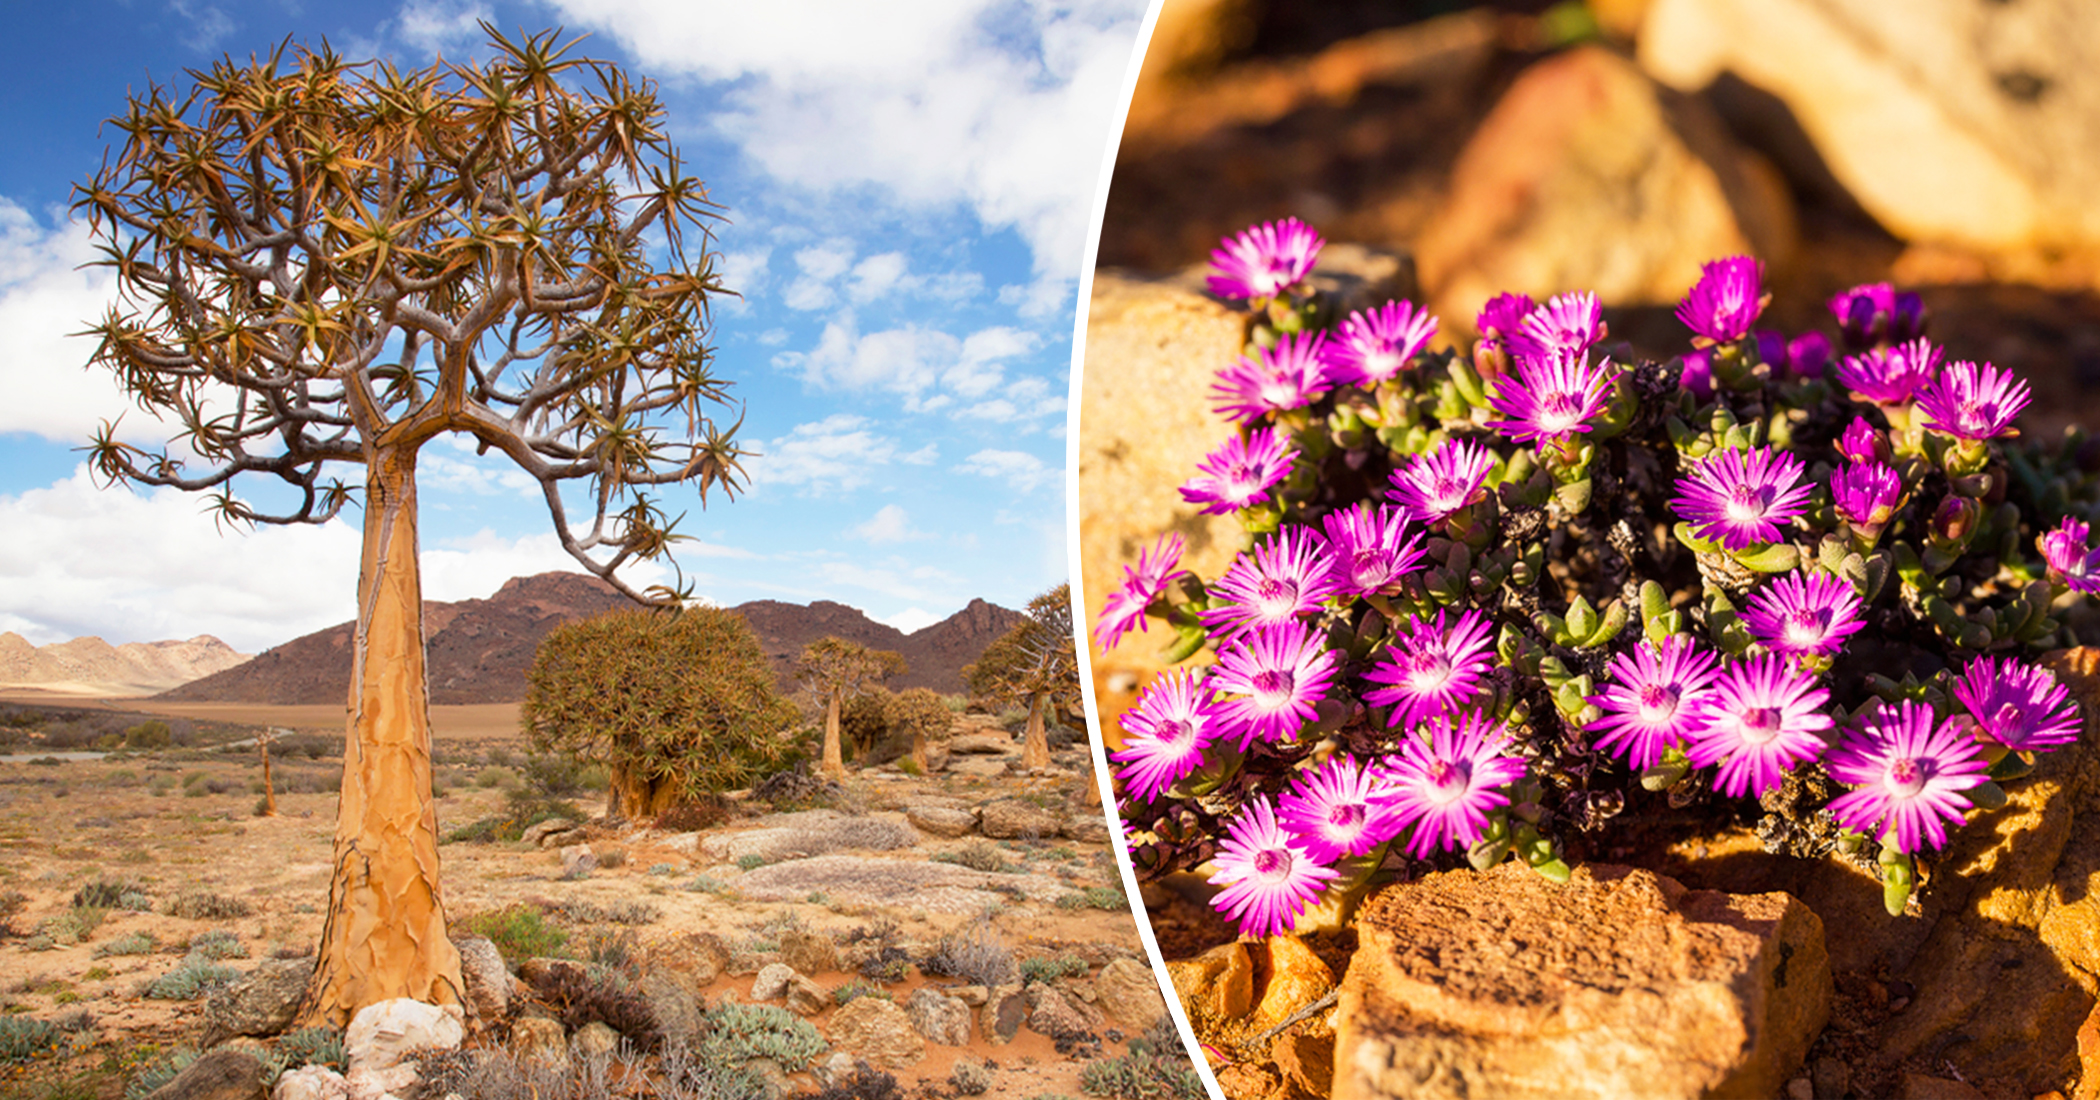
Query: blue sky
[(908, 190)]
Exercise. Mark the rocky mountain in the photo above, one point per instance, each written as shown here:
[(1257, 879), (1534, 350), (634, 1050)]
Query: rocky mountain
[(479, 650), (131, 668)]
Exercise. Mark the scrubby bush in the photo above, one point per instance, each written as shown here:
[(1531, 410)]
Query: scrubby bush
[(218, 944), (147, 735), (195, 977), (704, 811), (24, 1037), (519, 932), (130, 943), (743, 1032), (311, 1046), (162, 1069), (600, 995), (675, 705), (978, 855), (975, 954), (1047, 970), (1155, 1067), (204, 905)]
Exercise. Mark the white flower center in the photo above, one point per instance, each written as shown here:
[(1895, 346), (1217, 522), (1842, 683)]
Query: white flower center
[(1906, 777), (1759, 725), (1272, 687), (1447, 782), (1275, 599), (1658, 702), (1744, 503), (1273, 864), (1803, 627)]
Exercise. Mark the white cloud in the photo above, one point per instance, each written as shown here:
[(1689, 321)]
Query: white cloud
[(1022, 470), (744, 272), (462, 471), (876, 276), (208, 25), (474, 567), (909, 360), (1001, 107), (837, 453), (894, 578), (819, 267), (773, 337), (890, 524), (911, 620), (442, 26)]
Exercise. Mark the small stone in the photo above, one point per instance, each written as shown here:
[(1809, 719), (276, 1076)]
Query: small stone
[(1215, 986), (391, 1083), (562, 838), (538, 1039), (806, 997), (970, 1077), (577, 861), (972, 995), (878, 1031), (981, 767), (987, 744), (1832, 1078), (263, 1002), (1296, 978), (311, 1083), (1800, 1088), (539, 831), (1129, 994), (837, 1069), (772, 1081), (219, 1075), (772, 981), (594, 1040), (678, 1007), (488, 980), (699, 957), (1306, 1059), (941, 1019), (808, 952), (1086, 829), (1005, 1009), (382, 1033), (1014, 818), (684, 844), (541, 972), (940, 821), (1052, 1014)]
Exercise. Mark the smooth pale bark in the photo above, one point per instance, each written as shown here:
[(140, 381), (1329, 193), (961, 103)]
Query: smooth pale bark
[(918, 752), (834, 760), (1035, 746), (633, 796), (385, 935)]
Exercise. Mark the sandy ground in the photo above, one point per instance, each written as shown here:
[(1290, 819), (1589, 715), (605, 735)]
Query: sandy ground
[(482, 722)]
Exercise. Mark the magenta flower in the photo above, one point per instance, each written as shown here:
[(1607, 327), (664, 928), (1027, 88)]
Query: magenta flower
[(1652, 700), (1971, 402), (1908, 768), (1698, 374), (1863, 443), (1564, 328), (2018, 705), (1762, 717), (1892, 375), (1551, 398), (1287, 376), (1440, 483), (1125, 607), (1279, 673), (1504, 315), (1808, 355), (1268, 875), (1868, 314), (1741, 498), (2071, 556), (1264, 260), (1726, 300), (1371, 548), (1281, 580), (1801, 614), (1445, 785), (1337, 810), (1866, 494), (1165, 734), (1373, 345), (1433, 667), (1240, 473)]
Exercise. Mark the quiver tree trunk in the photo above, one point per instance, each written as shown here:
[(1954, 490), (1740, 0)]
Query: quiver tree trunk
[(834, 760), (269, 787), (635, 796), (1035, 745), (385, 934)]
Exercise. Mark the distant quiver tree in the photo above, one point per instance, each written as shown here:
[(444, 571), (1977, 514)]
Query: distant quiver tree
[(837, 669), (1036, 664), (325, 264), (676, 704)]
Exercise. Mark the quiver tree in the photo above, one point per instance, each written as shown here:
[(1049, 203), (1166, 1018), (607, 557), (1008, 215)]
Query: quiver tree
[(918, 714), (836, 669), (263, 741), (1036, 664), (323, 264), (676, 704)]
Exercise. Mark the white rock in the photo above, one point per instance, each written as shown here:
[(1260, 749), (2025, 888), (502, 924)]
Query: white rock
[(772, 981), (311, 1083), (381, 1033)]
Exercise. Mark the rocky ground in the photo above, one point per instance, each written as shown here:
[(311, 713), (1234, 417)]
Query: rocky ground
[(957, 930)]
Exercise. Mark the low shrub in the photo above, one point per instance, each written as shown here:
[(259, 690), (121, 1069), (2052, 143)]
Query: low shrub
[(694, 815), (311, 1046), (975, 954), (519, 932), (743, 1032), (977, 855), (858, 988), (1045, 970), (24, 1037), (218, 944), (159, 1071), (195, 978), (203, 905), (600, 995), (130, 943), (1154, 1067)]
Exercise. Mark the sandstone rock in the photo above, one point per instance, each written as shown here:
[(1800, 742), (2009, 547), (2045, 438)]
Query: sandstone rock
[(577, 861), (1052, 1014), (772, 981), (1005, 1010), (941, 822), (981, 767), (392, 1083), (972, 995), (995, 743), (1619, 983), (1295, 978), (940, 1018), (311, 1083), (1130, 994), (772, 1081), (677, 1005), (1086, 828), (1306, 1058), (594, 1040), (380, 1034), (808, 952), (1215, 986), (488, 980), (683, 843), (262, 1002), (539, 831), (1014, 818), (540, 971), (970, 1077), (219, 1075), (806, 997), (564, 837), (879, 1032), (814, 837), (538, 1039), (913, 884), (698, 957), (1589, 176), (1969, 123)]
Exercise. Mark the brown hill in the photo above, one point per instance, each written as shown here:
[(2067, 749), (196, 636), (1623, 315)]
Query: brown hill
[(479, 650), (131, 667)]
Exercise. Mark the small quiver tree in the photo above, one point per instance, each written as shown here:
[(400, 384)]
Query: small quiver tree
[(837, 669), (263, 741), (322, 263), (919, 714), (1036, 663), (676, 704)]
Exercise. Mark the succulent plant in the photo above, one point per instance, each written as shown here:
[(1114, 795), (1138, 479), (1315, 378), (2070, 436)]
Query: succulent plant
[(1489, 601)]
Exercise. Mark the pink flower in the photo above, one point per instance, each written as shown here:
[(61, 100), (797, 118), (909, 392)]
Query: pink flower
[(1762, 717), (1373, 345), (2071, 557), (1652, 701), (2018, 705), (1268, 875), (1740, 499), (1891, 375), (1434, 668), (1908, 768), (1726, 300), (1971, 402), (1277, 675), (1264, 260), (1281, 580), (1564, 328), (1866, 494), (1443, 786), (1800, 614), (1142, 584), (1165, 734), (1551, 398), (1862, 442), (1287, 376), (1336, 810), (1371, 549), (1440, 483), (1240, 473)]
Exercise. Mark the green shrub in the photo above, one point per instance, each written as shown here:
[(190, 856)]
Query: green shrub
[(130, 943), (25, 1037), (743, 1032), (750, 861), (161, 1070), (195, 978), (312, 1046), (978, 855), (858, 988), (218, 944), (108, 894), (147, 735), (519, 932), (1155, 1067), (1044, 970), (203, 905)]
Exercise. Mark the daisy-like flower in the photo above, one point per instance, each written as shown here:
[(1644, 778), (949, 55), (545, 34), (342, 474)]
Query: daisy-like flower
[(2018, 705), (1892, 375), (1909, 769), (1652, 699), (1373, 345), (1741, 498), (1863, 443), (2071, 557), (1863, 313), (1726, 300), (1276, 675), (1762, 717), (1371, 548), (1264, 260), (1564, 328), (1142, 583), (1445, 784), (1551, 398), (1434, 667), (1971, 402), (1287, 376), (1268, 875), (1799, 614), (1240, 473), (1439, 483), (1504, 315), (1284, 579), (1866, 493), (1337, 810), (1165, 734)]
